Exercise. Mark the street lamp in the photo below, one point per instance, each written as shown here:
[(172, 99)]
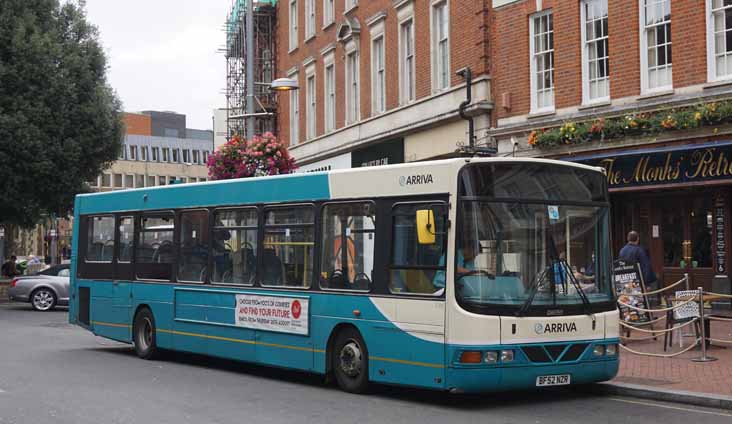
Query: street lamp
[(284, 84)]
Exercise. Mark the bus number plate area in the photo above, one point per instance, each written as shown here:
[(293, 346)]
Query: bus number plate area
[(552, 380)]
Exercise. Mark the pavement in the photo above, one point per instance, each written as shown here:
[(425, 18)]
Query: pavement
[(53, 372)]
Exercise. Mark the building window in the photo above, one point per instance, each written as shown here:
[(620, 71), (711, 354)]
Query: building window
[(719, 41), (350, 4), (352, 88), (186, 156), (440, 46), (129, 181), (133, 152), (151, 181), (406, 51), (118, 180), (311, 111), (139, 180), (330, 108), (293, 24), (328, 12), (294, 116), (155, 154), (106, 180), (176, 156), (205, 157), (378, 75), (196, 156), (595, 71), (162, 180), (542, 62), (143, 151), (656, 45), (309, 19), (166, 154)]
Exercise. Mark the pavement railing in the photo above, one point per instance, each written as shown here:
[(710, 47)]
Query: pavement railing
[(695, 315), (718, 318)]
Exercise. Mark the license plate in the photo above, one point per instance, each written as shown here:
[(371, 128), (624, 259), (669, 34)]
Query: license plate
[(552, 380)]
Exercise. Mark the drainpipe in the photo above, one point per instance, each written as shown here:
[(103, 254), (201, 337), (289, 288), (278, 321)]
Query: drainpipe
[(467, 74)]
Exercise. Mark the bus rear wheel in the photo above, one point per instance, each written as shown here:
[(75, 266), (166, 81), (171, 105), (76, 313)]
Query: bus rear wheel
[(350, 361), (143, 335)]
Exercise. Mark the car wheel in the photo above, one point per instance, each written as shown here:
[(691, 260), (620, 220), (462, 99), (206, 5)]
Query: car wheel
[(350, 361), (143, 335), (43, 300)]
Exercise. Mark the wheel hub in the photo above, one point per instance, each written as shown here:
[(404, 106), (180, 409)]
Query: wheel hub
[(43, 300), (351, 359)]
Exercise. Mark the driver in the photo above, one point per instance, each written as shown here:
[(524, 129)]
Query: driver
[(465, 262)]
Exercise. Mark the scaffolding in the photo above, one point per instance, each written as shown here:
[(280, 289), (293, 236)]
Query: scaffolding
[(249, 101)]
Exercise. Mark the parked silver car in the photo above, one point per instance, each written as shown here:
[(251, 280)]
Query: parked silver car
[(44, 290)]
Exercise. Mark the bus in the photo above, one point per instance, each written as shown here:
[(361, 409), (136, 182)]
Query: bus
[(463, 275)]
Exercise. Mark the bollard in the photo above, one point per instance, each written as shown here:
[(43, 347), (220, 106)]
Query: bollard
[(703, 357)]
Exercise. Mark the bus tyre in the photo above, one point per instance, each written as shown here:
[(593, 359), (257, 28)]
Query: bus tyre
[(143, 334), (350, 361)]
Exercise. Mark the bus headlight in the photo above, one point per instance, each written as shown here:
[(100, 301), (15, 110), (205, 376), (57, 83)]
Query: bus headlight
[(598, 350), (611, 350), (490, 357), (506, 356)]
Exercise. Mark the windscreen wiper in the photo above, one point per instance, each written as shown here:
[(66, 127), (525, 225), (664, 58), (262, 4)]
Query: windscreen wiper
[(575, 283), (533, 288)]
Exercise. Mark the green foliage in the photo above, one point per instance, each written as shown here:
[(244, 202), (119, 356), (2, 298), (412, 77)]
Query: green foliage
[(60, 122), (634, 125)]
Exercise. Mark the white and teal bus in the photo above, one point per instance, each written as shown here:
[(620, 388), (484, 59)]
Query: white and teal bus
[(467, 275)]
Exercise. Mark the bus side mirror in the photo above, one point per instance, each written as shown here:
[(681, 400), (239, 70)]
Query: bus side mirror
[(426, 226)]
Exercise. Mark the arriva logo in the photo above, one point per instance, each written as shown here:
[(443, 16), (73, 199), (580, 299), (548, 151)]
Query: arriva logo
[(560, 327), (406, 180)]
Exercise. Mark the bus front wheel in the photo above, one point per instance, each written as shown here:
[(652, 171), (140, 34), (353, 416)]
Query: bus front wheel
[(350, 361), (143, 334)]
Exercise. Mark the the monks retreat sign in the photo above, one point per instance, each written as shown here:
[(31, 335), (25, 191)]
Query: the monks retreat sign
[(696, 163)]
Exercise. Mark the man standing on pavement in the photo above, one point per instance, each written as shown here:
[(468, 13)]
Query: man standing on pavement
[(9, 269), (633, 253)]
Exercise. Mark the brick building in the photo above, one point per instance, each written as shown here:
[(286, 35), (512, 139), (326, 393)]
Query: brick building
[(641, 88), (378, 79)]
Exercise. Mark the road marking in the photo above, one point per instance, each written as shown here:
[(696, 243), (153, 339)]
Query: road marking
[(677, 408)]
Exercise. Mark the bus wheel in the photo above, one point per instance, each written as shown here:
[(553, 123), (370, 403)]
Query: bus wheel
[(350, 361), (143, 334)]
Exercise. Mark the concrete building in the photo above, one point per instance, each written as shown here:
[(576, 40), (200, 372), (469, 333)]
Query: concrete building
[(641, 88), (378, 81), (150, 160)]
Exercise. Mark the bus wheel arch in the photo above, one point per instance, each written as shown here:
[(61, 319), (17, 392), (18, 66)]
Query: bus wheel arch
[(347, 358), (144, 333)]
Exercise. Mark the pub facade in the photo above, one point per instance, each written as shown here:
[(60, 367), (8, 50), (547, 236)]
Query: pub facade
[(600, 82)]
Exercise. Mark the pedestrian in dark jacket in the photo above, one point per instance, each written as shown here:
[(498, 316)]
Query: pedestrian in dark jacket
[(9, 269), (633, 253)]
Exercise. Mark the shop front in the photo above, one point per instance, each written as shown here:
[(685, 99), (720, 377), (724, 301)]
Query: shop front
[(678, 198)]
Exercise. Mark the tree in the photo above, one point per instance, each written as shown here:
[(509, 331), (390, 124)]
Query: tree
[(260, 156), (60, 121)]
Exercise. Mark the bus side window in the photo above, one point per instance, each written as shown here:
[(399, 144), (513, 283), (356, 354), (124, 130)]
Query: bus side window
[(289, 245), (193, 256), (100, 239), (347, 252), (417, 268), (154, 253), (235, 246)]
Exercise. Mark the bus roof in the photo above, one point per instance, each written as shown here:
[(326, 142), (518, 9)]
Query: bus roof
[(414, 178)]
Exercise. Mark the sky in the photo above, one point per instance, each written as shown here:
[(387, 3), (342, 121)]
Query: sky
[(163, 54)]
